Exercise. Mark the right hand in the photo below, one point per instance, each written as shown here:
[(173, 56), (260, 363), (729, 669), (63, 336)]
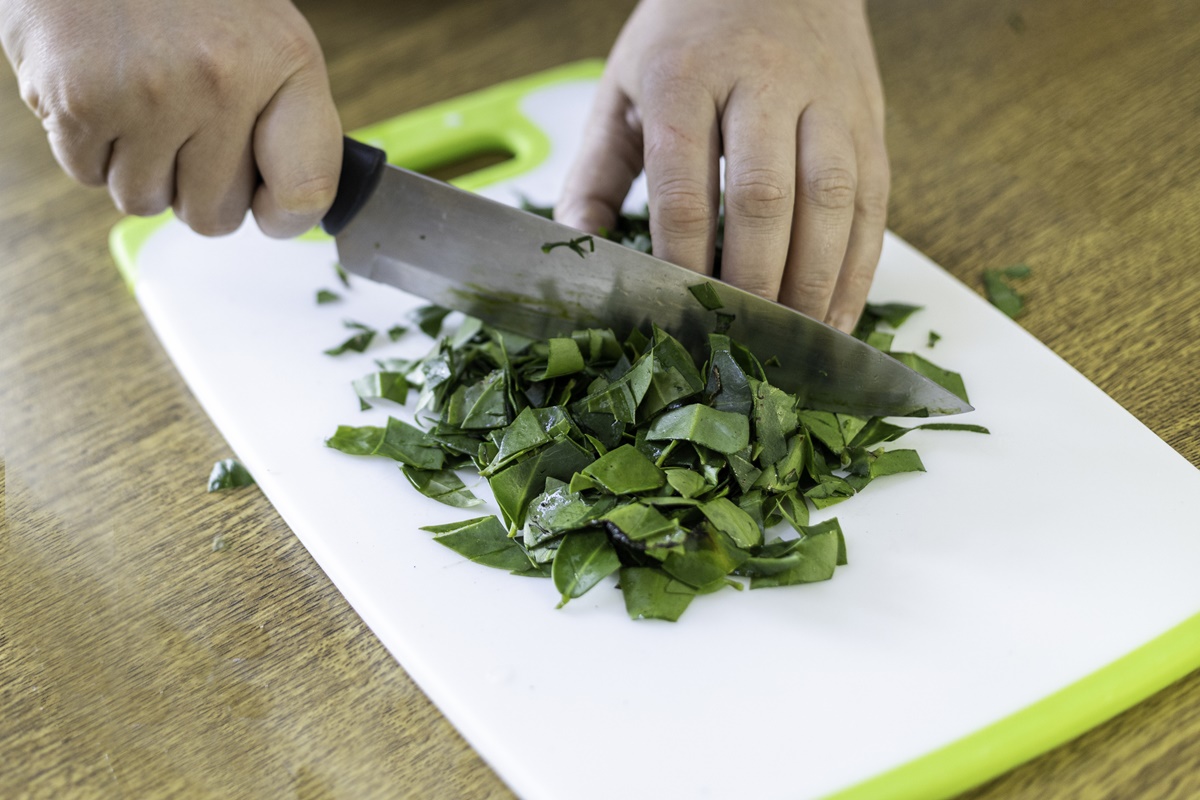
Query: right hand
[(209, 107)]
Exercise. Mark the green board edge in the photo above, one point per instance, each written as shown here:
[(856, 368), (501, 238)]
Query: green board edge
[(486, 120), (1042, 726), (491, 118)]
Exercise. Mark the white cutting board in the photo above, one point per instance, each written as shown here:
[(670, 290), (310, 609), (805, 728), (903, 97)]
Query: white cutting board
[(1029, 585)]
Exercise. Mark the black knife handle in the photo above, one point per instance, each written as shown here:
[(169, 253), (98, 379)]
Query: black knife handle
[(362, 167)]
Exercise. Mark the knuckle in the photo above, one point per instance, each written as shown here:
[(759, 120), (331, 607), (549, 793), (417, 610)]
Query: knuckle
[(815, 289), (299, 48), (215, 70), (139, 205), (761, 286), (682, 206), (830, 186), (217, 225), (763, 194), (209, 219), (872, 206), (308, 196)]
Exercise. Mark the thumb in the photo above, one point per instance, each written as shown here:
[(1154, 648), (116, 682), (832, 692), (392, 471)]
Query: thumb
[(298, 151), (607, 163)]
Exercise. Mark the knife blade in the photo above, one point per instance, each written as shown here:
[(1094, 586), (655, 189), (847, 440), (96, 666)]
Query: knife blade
[(486, 259)]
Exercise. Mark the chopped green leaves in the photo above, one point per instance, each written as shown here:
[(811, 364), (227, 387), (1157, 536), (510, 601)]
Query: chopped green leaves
[(627, 457), (1000, 292), (575, 245), (228, 473), (356, 343), (706, 294)]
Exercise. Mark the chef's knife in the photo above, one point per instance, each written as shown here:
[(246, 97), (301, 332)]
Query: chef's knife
[(465, 252)]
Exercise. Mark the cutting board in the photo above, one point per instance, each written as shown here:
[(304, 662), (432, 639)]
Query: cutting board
[(1029, 585)]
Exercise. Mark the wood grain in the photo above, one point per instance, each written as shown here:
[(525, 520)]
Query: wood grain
[(136, 661)]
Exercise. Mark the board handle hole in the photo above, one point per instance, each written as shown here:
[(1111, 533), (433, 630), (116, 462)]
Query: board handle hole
[(474, 162)]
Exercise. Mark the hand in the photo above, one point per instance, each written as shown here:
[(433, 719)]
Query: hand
[(789, 93), (209, 107)]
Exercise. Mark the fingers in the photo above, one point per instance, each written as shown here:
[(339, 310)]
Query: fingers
[(298, 150), (681, 148), (215, 177), (609, 160), (866, 239), (760, 181), (84, 157), (826, 192), (141, 175)]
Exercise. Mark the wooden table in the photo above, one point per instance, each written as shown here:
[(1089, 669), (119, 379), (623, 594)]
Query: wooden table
[(136, 662)]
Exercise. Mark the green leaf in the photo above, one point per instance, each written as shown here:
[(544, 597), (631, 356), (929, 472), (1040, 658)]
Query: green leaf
[(408, 445), (564, 358), (706, 560), (673, 377), (515, 486), (483, 540), (951, 381), (559, 510), (1000, 293), (356, 343), (396, 331), (480, 406), (735, 523), (576, 245), (686, 482), (723, 431), (728, 387), (340, 271), (652, 594), (325, 296), (429, 319), (442, 485), (706, 294), (806, 560), (382, 385), (582, 560), (625, 470), (228, 473), (637, 521)]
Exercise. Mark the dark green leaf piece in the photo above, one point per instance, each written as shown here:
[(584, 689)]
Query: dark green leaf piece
[(951, 381), (340, 271), (483, 540), (228, 473), (515, 486), (325, 296), (1000, 293), (582, 560), (706, 294), (396, 331), (723, 431), (564, 358), (732, 521), (429, 319), (652, 594), (576, 245), (382, 385), (625, 470), (356, 343), (808, 559), (442, 485)]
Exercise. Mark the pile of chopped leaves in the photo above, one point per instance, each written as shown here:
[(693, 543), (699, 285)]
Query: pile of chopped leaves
[(627, 456)]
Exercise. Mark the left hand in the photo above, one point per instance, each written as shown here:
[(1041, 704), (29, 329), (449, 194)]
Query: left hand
[(789, 93)]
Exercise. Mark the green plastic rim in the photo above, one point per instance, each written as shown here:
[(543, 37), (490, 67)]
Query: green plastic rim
[(1042, 726)]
